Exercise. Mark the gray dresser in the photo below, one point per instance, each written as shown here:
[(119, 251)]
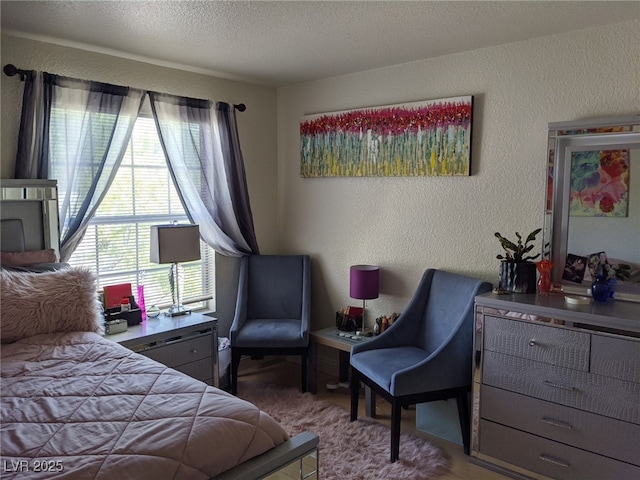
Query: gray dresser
[(187, 343), (556, 388)]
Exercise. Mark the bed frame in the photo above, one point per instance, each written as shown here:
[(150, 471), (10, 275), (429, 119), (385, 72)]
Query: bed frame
[(296, 458), (35, 204)]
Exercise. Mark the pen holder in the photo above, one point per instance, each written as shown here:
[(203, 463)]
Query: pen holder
[(348, 323)]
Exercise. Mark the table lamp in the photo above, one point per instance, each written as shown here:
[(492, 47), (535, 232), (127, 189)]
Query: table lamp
[(364, 284), (175, 243)]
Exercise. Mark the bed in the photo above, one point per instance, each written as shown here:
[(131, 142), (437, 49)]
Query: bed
[(77, 405)]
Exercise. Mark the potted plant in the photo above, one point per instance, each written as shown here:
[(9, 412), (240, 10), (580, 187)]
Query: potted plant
[(517, 269)]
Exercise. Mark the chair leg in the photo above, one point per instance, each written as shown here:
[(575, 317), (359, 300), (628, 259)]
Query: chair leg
[(396, 417), (235, 363), (355, 393), (370, 402), (304, 367), (463, 415)]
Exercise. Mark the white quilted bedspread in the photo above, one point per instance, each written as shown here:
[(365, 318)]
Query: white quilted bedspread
[(79, 406)]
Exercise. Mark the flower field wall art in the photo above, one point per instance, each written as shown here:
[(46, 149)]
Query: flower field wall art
[(429, 138), (599, 183)]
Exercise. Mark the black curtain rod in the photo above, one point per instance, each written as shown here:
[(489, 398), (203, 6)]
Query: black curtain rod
[(11, 71)]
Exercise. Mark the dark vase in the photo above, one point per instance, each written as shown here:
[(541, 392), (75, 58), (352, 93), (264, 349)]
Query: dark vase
[(600, 288), (518, 277)]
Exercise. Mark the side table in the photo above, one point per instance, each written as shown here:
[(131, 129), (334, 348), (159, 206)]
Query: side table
[(187, 343), (331, 337)]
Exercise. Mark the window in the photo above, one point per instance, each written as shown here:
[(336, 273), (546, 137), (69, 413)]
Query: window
[(116, 243)]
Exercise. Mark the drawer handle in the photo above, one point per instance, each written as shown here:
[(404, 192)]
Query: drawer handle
[(557, 423), (532, 343), (557, 385), (194, 351), (555, 461)]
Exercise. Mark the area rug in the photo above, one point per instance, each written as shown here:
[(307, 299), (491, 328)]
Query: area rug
[(357, 450)]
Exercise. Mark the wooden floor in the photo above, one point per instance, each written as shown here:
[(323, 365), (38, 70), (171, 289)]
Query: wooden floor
[(287, 374)]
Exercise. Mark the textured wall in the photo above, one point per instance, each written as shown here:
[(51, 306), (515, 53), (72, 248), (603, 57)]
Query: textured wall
[(406, 225)]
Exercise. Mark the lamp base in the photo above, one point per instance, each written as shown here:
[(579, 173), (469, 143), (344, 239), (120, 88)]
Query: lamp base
[(176, 280), (177, 310)]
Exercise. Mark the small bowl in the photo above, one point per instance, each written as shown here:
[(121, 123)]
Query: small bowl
[(577, 300)]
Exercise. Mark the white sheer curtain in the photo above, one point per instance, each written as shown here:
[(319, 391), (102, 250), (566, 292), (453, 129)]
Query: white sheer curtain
[(200, 141), (76, 132)]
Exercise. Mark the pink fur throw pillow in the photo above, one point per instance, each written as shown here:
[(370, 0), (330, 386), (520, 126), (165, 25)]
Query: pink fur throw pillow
[(60, 301)]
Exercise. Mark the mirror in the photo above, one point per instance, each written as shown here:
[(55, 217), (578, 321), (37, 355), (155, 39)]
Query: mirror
[(593, 202), (35, 202)]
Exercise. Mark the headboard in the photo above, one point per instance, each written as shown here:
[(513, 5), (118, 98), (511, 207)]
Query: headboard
[(29, 208)]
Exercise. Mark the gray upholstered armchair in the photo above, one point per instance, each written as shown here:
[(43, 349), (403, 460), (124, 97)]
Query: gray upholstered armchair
[(426, 354), (273, 310)]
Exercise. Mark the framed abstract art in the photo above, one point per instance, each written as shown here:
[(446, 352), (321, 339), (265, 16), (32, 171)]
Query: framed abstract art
[(599, 183), (428, 138)]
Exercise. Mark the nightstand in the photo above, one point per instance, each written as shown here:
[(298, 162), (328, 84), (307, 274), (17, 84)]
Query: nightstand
[(187, 343), (341, 341)]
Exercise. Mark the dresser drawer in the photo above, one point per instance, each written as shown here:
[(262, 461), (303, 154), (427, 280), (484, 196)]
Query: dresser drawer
[(563, 424), (200, 369), (593, 393), (543, 343), (182, 351), (552, 459), (615, 357)]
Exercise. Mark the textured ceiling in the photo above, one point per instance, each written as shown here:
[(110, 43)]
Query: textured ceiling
[(281, 42)]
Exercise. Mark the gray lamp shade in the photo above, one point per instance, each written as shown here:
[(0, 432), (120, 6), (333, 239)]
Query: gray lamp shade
[(175, 243)]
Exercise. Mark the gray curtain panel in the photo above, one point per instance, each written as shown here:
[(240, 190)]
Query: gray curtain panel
[(200, 141), (33, 145), (75, 131)]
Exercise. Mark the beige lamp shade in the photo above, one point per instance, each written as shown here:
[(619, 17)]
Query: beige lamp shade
[(175, 243)]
